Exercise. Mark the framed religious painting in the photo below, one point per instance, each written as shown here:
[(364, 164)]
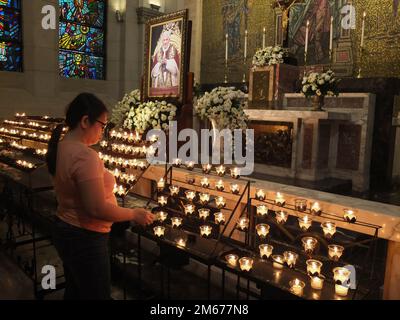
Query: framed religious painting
[(166, 57)]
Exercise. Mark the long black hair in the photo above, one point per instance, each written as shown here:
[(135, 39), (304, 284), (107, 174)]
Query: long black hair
[(85, 104)]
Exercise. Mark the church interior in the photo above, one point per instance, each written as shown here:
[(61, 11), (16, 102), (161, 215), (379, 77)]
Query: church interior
[(238, 149)]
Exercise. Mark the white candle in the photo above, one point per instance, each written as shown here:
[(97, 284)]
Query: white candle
[(159, 231), (246, 263), (226, 48), (297, 286), (232, 259), (245, 44), (314, 267), (290, 258), (219, 217), (205, 231), (161, 184), (260, 195), (306, 40), (243, 223), (341, 275), (305, 223), (264, 34), (262, 230), (329, 229), (278, 261), (265, 250), (204, 198), (204, 182), (331, 35), (317, 283), (204, 213), (335, 252), (176, 222), (161, 216), (181, 242), (174, 190), (350, 215), (363, 29)]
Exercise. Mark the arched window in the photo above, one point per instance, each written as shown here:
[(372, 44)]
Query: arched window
[(10, 35), (81, 39)]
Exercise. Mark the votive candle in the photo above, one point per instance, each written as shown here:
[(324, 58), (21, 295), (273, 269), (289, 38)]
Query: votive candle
[(265, 250), (246, 264)]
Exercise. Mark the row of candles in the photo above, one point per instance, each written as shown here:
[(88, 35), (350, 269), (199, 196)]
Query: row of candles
[(32, 124), (130, 137), (18, 146), (120, 190), (207, 168), (124, 177), (204, 199), (219, 217), (24, 134), (124, 163), (131, 150), (204, 182)]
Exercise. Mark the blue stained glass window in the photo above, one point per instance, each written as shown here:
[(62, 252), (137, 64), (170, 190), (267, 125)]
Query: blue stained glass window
[(81, 39), (10, 36)]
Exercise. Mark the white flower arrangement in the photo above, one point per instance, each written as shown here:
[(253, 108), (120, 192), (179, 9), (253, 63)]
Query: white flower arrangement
[(121, 109), (320, 84), (224, 105), (269, 56), (150, 115)]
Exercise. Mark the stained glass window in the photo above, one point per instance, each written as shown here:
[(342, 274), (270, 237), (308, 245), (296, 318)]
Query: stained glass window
[(81, 39), (10, 36)]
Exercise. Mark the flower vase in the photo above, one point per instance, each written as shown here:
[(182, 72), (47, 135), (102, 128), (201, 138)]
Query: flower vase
[(317, 102), (217, 142)]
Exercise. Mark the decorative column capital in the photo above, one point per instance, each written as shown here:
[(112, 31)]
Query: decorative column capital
[(144, 14)]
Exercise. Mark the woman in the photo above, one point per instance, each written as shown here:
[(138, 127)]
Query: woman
[(86, 204)]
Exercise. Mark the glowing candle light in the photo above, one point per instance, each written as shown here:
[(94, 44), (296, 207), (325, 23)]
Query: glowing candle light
[(262, 210), (260, 194), (161, 184), (290, 258), (220, 202), (162, 200), (189, 209), (190, 165), (176, 222), (297, 287), (281, 217), (204, 213), (264, 36), (181, 242), (220, 185), (329, 229), (350, 215), (235, 189), (174, 190), (159, 231), (301, 205), (305, 223), (278, 261), (262, 230), (316, 209), (219, 217), (207, 168), (190, 195), (204, 198), (317, 282), (280, 200), (220, 170), (205, 230), (335, 252), (177, 162), (246, 264), (313, 267), (232, 259), (243, 223), (309, 244), (341, 277), (161, 216), (265, 250), (204, 182), (235, 173)]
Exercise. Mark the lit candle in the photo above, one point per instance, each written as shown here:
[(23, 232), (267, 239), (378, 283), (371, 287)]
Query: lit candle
[(181, 242), (350, 215), (161, 184), (174, 190), (204, 182), (300, 205), (235, 173), (226, 48), (189, 209), (264, 36), (262, 210), (335, 252), (220, 170), (204, 213), (159, 231), (313, 267), (137, 137), (219, 217), (190, 195), (306, 40), (176, 222), (232, 259), (260, 195), (243, 223), (363, 29), (204, 198), (290, 258), (161, 216), (280, 200), (207, 168), (246, 264), (281, 217), (177, 162), (220, 185), (329, 229), (309, 244), (103, 144), (190, 165), (235, 189), (220, 202), (265, 250), (331, 35), (162, 200), (316, 209), (297, 287), (190, 179), (341, 277), (305, 223), (205, 231), (262, 230), (317, 283), (278, 261)]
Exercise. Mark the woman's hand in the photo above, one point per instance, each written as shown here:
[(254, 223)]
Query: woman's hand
[(143, 216)]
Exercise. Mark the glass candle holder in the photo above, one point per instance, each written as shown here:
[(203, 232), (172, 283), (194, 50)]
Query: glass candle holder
[(232, 259), (260, 195), (207, 168), (335, 252), (174, 190), (204, 213), (297, 287), (243, 223), (316, 209), (162, 201), (300, 205), (246, 264), (305, 223), (290, 258), (220, 202), (190, 195), (313, 267), (176, 222), (341, 276), (205, 230), (219, 217), (262, 210), (189, 165), (189, 209), (317, 282), (235, 189), (220, 185), (265, 250), (181, 242), (204, 182), (280, 200), (161, 216), (177, 162), (278, 261), (190, 179), (329, 229), (350, 215), (262, 230), (220, 170), (159, 231), (235, 173), (309, 244), (204, 198), (281, 217)]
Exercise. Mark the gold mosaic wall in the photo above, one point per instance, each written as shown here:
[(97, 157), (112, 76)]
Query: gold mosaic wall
[(382, 37)]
